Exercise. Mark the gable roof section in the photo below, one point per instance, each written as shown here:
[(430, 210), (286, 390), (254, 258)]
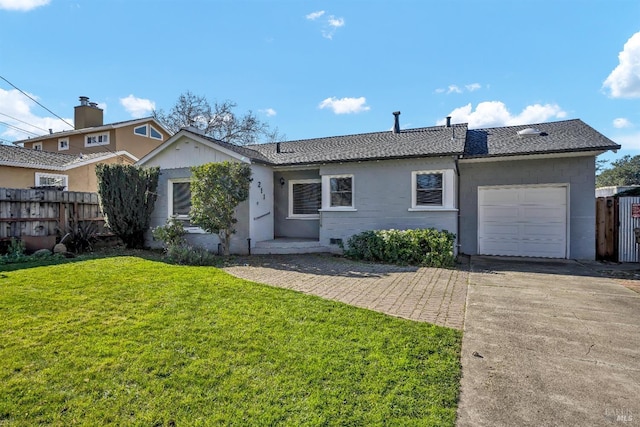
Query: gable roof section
[(94, 129), (555, 137), (35, 159), (236, 151)]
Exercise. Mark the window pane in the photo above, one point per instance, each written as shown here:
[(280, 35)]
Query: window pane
[(307, 198), (181, 198), (155, 134), (341, 192), (429, 181), (140, 130), (429, 189)]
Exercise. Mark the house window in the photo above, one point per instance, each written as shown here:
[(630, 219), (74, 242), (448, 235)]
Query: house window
[(305, 198), (63, 144), (428, 188), (141, 130), (155, 134), (52, 180), (338, 192), (432, 190), (37, 146), (96, 139), (179, 201)]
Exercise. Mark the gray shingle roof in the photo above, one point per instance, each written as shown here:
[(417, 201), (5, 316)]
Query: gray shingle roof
[(457, 140), (422, 142), (555, 137), (11, 155)]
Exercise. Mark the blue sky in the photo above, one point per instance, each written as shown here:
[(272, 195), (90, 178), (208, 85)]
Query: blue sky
[(323, 68)]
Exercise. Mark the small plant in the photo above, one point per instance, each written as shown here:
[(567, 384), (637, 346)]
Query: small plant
[(80, 235), (190, 255), (15, 252), (426, 247), (172, 233)]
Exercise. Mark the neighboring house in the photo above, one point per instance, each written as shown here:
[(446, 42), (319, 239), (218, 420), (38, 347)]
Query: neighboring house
[(137, 137), (515, 191), (26, 168)]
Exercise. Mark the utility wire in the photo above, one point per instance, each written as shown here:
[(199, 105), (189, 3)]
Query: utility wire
[(27, 95), (21, 121), (18, 129)]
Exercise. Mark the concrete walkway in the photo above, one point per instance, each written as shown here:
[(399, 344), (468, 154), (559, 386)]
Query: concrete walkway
[(549, 344), (431, 295)]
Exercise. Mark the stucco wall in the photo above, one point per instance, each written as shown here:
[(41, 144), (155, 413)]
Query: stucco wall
[(578, 172), (261, 212), (382, 199)]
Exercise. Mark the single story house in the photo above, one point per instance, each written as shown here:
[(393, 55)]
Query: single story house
[(512, 191), (27, 168)]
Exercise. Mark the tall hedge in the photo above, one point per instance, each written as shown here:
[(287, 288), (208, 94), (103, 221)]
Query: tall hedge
[(127, 197)]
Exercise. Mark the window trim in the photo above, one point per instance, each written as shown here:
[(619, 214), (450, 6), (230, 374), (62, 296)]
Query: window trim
[(290, 214), (88, 144), (156, 130), (65, 179), (448, 187), (146, 131), (189, 229), (326, 194), (60, 141), (37, 146)]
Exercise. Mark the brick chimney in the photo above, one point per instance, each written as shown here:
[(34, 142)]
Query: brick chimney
[(87, 114)]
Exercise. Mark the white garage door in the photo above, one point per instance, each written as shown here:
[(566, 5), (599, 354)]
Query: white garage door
[(523, 221)]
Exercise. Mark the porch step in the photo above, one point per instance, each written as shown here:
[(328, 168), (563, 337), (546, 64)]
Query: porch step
[(289, 246)]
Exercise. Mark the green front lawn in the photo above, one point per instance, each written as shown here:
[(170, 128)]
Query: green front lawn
[(129, 341)]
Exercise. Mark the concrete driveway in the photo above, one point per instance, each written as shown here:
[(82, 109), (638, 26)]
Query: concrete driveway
[(549, 343)]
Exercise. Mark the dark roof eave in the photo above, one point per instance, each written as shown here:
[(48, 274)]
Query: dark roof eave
[(367, 159), (530, 153)]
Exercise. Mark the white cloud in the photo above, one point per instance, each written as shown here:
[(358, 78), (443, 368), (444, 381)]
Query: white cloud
[(621, 122), (457, 89), (624, 80), (329, 25), (335, 22), (315, 15), (495, 113), (138, 107), (22, 5), (16, 111), (345, 105), (270, 112)]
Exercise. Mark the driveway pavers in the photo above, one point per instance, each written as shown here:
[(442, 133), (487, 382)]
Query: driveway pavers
[(431, 295)]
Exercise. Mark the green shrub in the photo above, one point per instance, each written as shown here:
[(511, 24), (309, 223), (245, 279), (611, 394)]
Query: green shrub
[(172, 233), (15, 252), (426, 247), (190, 255)]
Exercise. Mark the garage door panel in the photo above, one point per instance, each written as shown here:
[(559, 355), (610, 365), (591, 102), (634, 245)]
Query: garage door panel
[(523, 221)]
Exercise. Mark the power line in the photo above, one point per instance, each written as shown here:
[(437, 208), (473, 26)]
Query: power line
[(21, 121), (27, 95), (18, 129)]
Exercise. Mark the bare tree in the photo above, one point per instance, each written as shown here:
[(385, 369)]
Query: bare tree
[(218, 120)]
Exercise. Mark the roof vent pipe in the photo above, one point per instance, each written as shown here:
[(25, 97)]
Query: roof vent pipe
[(277, 147), (84, 100), (448, 121), (396, 123)]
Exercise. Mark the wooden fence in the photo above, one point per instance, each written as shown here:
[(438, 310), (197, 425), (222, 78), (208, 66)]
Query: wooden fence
[(40, 216)]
